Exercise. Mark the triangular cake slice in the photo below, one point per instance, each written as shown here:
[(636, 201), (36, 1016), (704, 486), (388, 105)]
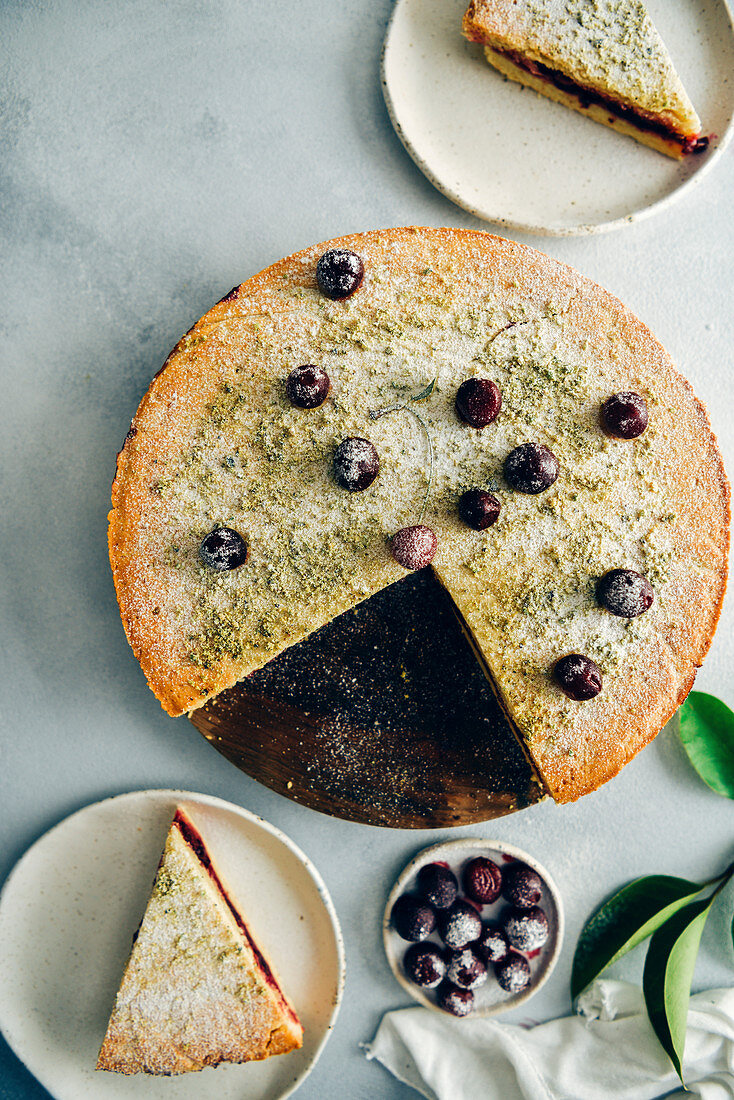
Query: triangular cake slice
[(604, 59), (197, 990)]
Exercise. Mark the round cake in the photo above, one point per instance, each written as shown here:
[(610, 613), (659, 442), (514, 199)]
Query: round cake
[(571, 498)]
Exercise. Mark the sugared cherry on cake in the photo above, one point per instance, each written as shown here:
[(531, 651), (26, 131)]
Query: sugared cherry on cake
[(414, 547), (522, 886), (513, 973), (492, 944), (531, 468), (412, 919), (625, 415), (339, 273), (356, 464), (466, 969), (578, 676), (526, 929), (425, 965), (478, 402), (459, 925), (459, 1002), (479, 509), (437, 885), (308, 386), (223, 549), (482, 880), (625, 593)]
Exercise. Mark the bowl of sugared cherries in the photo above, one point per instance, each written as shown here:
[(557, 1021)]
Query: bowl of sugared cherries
[(473, 927)]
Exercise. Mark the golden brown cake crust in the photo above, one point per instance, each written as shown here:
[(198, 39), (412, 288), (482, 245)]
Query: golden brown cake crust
[(434, 284)]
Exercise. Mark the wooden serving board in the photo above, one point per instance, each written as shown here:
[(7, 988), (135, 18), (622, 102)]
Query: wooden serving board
[(383, 716)]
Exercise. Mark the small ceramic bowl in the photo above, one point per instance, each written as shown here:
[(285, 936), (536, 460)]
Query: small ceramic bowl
[(489, 999)]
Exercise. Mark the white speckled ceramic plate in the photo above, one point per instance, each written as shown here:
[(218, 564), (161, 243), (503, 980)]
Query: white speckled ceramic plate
[(513, 157), (490, 999), (68, 913)]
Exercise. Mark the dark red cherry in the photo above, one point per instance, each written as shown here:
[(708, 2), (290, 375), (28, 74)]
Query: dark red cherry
[(479, 509), (459, 1002), (531, 468), (526, 929), (696, 145), (625, 593), (513, 973), (356, 464), (492, 943), (522, 886), (478, 401), (425, 965), (625, 415), (414, 547), (339, 273), (223, 549), (578, 676), (482, 880), (412, 919), (307, 387), (466, 969), (459, 925), (437, 885)]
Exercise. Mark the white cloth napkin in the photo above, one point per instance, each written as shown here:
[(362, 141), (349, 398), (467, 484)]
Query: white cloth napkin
[(607, 1052)]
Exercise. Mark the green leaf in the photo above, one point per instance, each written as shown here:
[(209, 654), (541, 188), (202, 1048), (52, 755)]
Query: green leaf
[(666, 981), (707, 733), (426, 392), (628, 918)]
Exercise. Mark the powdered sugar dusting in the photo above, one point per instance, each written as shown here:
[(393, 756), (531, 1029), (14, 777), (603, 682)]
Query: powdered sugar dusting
[(526, 929)]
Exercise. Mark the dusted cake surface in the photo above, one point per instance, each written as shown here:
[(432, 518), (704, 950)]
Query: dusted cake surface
[(216, 441)]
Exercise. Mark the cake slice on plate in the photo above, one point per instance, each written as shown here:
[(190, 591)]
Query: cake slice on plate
[(197, 990), (603, 58)]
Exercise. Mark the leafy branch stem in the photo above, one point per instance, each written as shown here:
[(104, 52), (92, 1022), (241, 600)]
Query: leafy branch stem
[(506, 328), (721, 879)]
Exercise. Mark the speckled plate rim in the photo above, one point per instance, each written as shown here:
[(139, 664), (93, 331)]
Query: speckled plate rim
[(496, 218), (160, 793), (446, 850)]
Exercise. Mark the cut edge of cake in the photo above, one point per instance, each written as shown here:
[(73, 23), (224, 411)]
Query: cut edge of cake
[(179, 1006), (640, 95)]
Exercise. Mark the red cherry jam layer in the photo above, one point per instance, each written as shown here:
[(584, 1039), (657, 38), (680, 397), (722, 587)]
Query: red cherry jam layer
[(586, 96), (193, 838)]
